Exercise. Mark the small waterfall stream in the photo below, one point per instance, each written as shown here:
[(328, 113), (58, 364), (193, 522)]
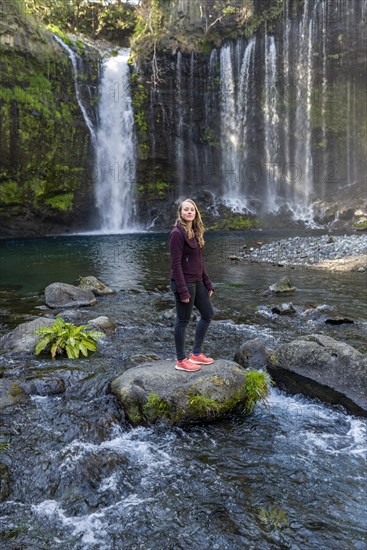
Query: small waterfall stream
[(271, 119), (115, 148), (229, 138), (74, 61), (180, 143)]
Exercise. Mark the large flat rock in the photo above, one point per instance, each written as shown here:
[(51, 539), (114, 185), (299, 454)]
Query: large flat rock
[(155, 391)]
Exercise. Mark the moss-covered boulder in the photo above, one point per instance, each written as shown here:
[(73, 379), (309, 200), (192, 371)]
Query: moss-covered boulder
[(155, 391), (95, 285), (283, 286)]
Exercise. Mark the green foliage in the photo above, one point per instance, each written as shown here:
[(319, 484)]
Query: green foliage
[(9, 193), (236, 222), (203, 405), (97, 18), (360, 224), (67, 338), (63, 202), (3, 446), (274, 517), (256, 388), (44, 165), (155, 408), (158, 189)]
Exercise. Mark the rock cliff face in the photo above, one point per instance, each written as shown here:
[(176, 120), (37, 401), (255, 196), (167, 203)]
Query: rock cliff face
[(260, 112), (45, 185)]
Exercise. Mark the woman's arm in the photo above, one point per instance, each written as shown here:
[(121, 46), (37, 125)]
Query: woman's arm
[(176, 246)]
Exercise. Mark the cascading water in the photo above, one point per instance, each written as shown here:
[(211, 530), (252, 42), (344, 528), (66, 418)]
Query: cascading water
[(115, 148), (180, 150), (302, 177), (230, 139), (74, 61), (271, 126), (286, 130), (246, 95)]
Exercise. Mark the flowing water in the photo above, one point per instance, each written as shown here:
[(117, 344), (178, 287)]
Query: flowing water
[(115, 178), (75, 59), (290, 475)]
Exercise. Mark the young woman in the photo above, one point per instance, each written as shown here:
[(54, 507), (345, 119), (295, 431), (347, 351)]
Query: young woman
[(190, 283)]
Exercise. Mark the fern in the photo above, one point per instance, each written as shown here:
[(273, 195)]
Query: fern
[(67, 338)]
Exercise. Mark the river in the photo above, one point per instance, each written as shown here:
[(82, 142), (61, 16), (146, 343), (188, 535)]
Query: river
[(290, 475)]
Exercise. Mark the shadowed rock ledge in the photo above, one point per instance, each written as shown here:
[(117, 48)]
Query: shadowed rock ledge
[(321, 367)]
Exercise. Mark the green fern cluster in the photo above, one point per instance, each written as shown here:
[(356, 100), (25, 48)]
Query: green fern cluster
[(67, 338)]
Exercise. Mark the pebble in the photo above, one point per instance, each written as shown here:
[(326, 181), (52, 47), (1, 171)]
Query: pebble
[(309, 250)]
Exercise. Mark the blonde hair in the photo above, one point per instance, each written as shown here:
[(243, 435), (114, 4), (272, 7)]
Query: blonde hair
[(197, 224)]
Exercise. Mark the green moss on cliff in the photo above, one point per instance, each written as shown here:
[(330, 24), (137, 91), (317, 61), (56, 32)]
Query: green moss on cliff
[(235, 223), (44, 142)]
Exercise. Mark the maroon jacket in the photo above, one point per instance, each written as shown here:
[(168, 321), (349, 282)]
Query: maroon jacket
[(187, 264)]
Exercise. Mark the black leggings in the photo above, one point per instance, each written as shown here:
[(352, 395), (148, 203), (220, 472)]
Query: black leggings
[(199, 297)]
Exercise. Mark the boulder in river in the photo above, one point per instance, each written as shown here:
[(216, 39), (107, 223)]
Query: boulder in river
[(64, 295), (11, 394), (95, 285), (252, 354), (103, 323), (155, 391), (319, 366), (284, 309), (23, 338), (283, 286)]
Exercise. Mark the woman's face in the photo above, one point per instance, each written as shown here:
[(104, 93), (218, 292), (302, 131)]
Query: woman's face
[(188, 212)]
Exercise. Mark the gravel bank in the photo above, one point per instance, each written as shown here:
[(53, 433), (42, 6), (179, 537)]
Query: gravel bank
[(338, 253)]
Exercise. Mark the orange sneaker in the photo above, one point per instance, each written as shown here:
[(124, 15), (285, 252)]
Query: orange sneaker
[(201, 359), (186, 365)]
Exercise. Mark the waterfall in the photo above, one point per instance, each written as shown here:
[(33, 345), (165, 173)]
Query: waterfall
[(115, 147), (74, 61), (230, 139), (246, 109), (291, 133), (302, 176), (180, 143), (271, 126)]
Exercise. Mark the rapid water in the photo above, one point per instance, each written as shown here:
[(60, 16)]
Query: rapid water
[(290, 475)]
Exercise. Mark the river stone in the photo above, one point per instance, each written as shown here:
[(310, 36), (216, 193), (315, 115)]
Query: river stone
[(95, 285), (284, 309), (103, 323), (252, 354), (282, 286), (22, 338), (68, 296), (156, 391), (319, 366), (11, 394)]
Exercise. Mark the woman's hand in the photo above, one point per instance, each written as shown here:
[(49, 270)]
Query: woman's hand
[(186, 300), (211, 292)]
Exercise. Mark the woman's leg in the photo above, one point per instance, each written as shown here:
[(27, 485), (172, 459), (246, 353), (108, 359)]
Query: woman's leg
[(204, 305), (183, 315)]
